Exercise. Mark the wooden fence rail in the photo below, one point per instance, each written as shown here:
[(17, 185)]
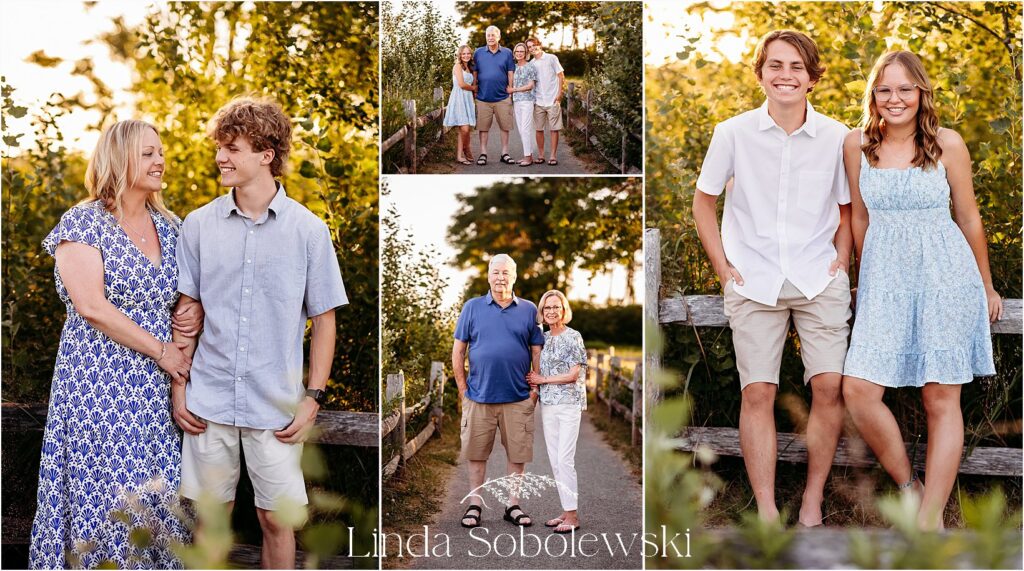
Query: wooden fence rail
[(707, 311), (334, 427), (608, 378), (412, 153), (578, 113), (395, 423)]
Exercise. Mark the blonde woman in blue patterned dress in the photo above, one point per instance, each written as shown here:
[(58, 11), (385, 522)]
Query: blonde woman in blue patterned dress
[(111, 452), (461, 109), (563, 398), (925, 295)]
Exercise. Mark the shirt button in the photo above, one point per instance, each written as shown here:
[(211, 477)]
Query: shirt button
[(251, 231), (238, 378), (241, 348), (248, 261), (244, 319), (246, 290)]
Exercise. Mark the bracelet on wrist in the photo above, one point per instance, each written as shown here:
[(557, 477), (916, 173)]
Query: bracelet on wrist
[(163, 352)]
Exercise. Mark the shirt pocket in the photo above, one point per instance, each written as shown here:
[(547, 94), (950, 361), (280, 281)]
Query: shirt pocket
[(283, 278), (813, 190)]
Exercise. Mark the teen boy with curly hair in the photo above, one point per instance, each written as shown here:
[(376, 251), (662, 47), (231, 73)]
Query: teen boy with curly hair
[(261, 264)]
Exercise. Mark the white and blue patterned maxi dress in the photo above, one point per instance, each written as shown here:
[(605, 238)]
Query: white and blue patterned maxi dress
[(922, 313), (111, 451)]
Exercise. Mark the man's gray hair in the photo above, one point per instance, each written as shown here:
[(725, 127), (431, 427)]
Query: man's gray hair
[(502, 259), (487, 31)]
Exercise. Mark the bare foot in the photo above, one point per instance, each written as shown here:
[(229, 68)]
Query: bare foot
[(810, 513)]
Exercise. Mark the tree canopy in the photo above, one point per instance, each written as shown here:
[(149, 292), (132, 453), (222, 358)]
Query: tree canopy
[(549, 226)]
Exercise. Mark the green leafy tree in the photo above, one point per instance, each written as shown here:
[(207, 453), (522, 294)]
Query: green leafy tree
[(416, 327), (417, 54), (548, 226)]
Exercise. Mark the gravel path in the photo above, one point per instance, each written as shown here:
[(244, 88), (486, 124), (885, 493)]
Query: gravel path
[(567, 162), (610, 510)]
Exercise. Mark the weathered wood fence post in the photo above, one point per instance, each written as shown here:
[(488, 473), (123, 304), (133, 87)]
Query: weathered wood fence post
[(586, 106), (638, 404), (437, 380), (569, 103), (652, 287), (395, 392), (439, 103), (613, 377), (409, 106), (622, 159)]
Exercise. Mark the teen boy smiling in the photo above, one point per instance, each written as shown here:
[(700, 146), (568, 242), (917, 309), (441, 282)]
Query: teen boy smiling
[(783, 253), (261, 264)]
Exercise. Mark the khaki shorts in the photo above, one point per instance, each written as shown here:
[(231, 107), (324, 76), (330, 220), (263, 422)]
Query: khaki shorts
[(501, 110), (551, 116), (513, 420), (759, 331), (210, 464)]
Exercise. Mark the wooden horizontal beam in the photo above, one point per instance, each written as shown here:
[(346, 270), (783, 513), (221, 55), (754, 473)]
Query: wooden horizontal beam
[(987, 461), (707, 311), (394, 139), (335, 427)]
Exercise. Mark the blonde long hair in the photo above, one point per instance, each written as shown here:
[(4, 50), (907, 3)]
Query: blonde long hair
[(114, 167), (926, 140)]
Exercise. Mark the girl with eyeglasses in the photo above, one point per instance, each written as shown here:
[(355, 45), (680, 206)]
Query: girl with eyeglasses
[(925, 296)]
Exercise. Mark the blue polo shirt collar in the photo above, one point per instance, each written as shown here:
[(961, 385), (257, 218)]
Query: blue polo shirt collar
[(490, 299)]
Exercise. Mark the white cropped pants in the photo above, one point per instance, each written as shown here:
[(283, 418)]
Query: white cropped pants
[(561, 429), (523, 111)]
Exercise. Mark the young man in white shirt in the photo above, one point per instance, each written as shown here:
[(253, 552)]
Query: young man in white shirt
[(783, 253), (547, 109)]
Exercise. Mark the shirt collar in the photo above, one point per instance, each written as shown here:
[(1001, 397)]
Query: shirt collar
[(227, 207), (810, 125), (490, 299)]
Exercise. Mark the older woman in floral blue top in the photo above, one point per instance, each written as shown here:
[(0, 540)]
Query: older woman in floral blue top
[(563, 397)]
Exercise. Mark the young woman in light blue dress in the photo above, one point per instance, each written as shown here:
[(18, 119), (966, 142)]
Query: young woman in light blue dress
[(925, 295), (461, 110)]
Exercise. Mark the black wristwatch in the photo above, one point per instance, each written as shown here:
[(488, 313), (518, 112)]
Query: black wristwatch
[(318, 395)]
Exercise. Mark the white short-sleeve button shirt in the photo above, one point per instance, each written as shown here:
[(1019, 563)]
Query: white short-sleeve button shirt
[(782, 211)]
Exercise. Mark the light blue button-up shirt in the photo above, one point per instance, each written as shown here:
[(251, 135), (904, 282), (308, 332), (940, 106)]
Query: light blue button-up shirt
[(258, 280)]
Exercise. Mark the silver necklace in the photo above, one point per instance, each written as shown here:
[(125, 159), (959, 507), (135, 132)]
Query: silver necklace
[(124, 221)]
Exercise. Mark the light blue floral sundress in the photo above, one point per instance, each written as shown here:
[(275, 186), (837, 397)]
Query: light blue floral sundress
[(461, 105), (111, 451), (922, 314)]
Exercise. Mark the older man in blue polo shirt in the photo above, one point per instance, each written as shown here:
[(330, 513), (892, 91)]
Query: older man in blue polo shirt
[(495, 68), (500, 331)]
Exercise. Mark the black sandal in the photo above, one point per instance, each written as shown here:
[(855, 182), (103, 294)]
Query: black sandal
[(516, 519), (475, 516), (507, 159), (482, 159)]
